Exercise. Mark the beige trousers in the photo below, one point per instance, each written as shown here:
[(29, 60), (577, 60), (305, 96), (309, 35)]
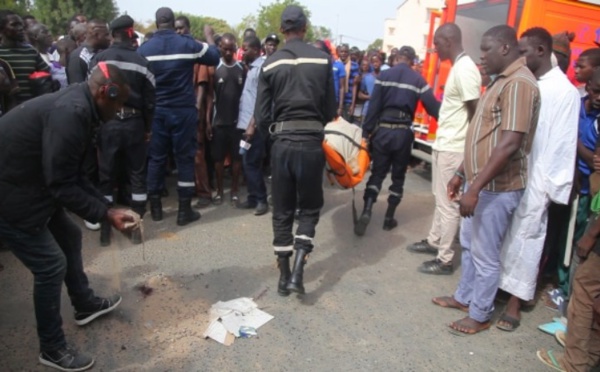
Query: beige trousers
[(446, 217)]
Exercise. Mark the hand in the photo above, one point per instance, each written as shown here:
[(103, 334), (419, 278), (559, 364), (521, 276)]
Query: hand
[(118, 218), (596, 163), (351, 111), (339, 112), (453, 188), (468, 202), (584, 245), (209, 33), (209, 133), (249, 134)]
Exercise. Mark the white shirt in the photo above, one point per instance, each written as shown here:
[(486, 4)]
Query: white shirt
[(463, 84)]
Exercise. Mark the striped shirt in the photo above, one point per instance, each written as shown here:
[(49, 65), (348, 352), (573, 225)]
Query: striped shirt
[(510, 103), (23, 60)]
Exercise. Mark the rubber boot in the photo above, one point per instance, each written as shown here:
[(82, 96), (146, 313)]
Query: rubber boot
[(283, 263), (156, 208), (296, 283), (390, 222), (105, 231), (186, 214), (138, 207), (363, 221)]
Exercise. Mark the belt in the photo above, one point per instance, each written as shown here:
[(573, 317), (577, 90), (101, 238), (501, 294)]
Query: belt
[(396, 114), (296, 126), (128, 112), (394, 126)]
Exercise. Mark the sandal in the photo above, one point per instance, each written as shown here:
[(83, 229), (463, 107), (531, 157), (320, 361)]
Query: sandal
[(561, 337), (512, 323), (218, 200), (235, 199), (550, 359)]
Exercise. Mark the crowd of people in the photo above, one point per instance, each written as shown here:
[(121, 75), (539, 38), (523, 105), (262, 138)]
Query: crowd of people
[(508, 164)]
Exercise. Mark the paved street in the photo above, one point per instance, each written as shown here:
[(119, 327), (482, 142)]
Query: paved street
[(366, 307)]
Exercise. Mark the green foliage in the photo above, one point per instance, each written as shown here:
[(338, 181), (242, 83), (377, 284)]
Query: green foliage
[(197, 25), (56, 13), (249, 21), (376, 45), (22, 7), (269, 21)]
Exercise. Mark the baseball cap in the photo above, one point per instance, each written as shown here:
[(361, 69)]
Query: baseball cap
[(272, 37), (164, 15), (292, 18), (408, 52), (123, 22)]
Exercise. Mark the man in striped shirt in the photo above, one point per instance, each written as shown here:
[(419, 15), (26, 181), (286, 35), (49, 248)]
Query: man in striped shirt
[(498, 141), (172, 58), (23, 59)]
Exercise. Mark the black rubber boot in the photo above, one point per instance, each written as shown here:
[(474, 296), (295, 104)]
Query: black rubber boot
[(296, 283), (156, 208), (105, 231), (283, 263), (390, 222), (363, 221), (186, 214)]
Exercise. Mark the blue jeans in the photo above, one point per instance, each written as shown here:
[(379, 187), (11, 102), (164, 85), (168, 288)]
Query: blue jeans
[(176, 128), (253, 162), (481, 238), (52, 256)]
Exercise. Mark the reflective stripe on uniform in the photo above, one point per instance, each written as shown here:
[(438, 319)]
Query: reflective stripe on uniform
[(295, 62), (288, 248), (403, 86), (171, 57), (134, 67), (139, 197), (109, 198), (303, 237), (186, 184)]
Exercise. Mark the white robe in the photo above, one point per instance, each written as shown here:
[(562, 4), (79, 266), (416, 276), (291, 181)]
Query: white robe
[(551, 165)]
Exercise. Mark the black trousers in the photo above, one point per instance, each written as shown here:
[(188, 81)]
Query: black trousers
[(391, 148), (297, 181), (123, 142)]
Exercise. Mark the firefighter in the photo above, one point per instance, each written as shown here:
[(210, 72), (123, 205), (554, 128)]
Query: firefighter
[(294, 101), (125, 136), (388, 125)]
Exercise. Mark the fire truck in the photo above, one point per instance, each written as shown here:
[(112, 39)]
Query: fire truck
[(474, 17)]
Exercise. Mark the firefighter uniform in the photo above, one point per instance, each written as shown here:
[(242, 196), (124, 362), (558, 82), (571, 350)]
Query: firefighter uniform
[(172, 58), (295, 100), (388, 124), (124, 137)]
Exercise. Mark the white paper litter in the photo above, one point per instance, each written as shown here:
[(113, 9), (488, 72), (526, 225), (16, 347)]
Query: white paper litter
[(226, 318)]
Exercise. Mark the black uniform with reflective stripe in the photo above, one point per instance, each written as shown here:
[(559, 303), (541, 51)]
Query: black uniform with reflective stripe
[(136, 70), (398, 89), (295, 83)]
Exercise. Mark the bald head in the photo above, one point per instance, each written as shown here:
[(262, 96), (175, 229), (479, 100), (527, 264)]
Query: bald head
[(448, 41), (78, 33), (99, 83)]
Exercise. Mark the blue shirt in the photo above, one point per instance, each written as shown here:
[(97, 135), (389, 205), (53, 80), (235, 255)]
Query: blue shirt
[(172, 58), (248, 99), (588, 135), (367, 84), (354, 69), (339, 72)]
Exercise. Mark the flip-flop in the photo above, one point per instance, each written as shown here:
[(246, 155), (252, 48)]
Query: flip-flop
[(445, 301), (218, 200), (514, 323), (456, 332), (561, 337), (548, 358)]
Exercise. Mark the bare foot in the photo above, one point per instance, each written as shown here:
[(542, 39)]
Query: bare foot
[(469, 326), (450, 302)]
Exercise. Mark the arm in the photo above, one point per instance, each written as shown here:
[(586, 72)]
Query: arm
[(585, 154), (588, 240), (207, 54), (375, 108), (355, 86), (40, 64), (209, 102), (149, 97), (471, 108), (431, 104), (341, 94)]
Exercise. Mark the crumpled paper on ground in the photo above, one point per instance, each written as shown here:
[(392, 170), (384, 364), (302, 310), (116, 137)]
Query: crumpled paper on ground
[(226, 318)]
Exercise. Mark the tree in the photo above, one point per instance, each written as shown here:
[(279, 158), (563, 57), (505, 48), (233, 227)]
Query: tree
[(22, 7), (197, 25), (376, 45), (247, 22), (56, 13), (321, 33), (269, 19)]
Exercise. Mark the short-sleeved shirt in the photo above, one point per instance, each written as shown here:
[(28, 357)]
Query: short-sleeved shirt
[(339, 72), (24, 60), (510, 103), (228, 85), (463, 85), (352, 71), (248, 100), (588, 135)]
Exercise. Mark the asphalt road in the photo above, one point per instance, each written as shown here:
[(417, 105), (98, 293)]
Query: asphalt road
[(366, 307)]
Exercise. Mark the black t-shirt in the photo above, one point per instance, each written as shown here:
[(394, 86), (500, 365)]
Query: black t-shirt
[(228, 84)]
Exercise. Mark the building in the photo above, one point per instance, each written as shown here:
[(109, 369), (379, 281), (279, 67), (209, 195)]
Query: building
[(411, 25)]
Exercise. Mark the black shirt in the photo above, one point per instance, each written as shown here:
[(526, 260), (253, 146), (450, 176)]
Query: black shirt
[(78, 64), (138, 75), (228, 87), (42, 146), (295, 83)]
